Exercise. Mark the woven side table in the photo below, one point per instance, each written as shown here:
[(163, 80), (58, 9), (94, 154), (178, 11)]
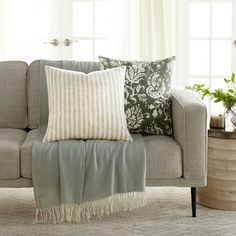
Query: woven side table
[(220, 192)]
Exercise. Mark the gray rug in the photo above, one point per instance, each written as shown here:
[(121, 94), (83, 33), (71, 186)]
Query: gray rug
[(168, 213)]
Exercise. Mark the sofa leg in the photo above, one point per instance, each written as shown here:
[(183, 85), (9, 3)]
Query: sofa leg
[(193, 199)]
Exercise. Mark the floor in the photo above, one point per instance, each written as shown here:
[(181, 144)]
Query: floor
[(168, 213)]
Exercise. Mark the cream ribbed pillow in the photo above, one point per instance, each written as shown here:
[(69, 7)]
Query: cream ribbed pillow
[(86, 106)]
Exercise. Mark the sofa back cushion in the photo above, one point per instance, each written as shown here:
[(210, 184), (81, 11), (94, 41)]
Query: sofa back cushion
[(13, 106), (34, 83)]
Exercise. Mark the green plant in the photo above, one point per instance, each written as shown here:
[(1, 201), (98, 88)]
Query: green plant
[(226, 96)]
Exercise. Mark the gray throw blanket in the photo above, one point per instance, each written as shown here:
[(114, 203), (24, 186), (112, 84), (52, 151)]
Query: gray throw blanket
[(75, 180)]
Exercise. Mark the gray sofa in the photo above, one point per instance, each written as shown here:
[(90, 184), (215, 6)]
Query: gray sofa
[(178, 161)]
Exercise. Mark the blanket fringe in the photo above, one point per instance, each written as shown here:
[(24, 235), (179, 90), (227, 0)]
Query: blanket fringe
[(77, 213)]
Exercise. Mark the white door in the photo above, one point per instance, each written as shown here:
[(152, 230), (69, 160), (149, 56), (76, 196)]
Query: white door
[(31, 30), (86, 28), (57, 29)]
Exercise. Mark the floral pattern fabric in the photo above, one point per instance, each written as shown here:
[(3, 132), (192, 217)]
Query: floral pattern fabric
[(147, 94)]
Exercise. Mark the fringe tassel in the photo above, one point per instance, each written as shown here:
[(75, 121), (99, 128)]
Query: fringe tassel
[(77, 213)]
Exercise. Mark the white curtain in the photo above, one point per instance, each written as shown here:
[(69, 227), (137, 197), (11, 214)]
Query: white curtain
[(147, 29)]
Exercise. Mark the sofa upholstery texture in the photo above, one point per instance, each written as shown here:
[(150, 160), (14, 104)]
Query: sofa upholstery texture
[(177, 161), (10, 142), (13, 104)]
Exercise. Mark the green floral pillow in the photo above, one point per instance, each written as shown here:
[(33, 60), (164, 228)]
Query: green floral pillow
[(147, 94)]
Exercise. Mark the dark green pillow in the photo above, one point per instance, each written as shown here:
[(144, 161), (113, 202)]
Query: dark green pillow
[(147, 94)]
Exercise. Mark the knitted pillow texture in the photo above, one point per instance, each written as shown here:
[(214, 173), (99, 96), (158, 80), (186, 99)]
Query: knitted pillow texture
[(86, 106)]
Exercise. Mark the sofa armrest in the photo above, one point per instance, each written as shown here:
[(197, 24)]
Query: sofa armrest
[(190, 131)]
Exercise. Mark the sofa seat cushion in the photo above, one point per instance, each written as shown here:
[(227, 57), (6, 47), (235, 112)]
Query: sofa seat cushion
[(164, 158), (26, 153), (10, 141)]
